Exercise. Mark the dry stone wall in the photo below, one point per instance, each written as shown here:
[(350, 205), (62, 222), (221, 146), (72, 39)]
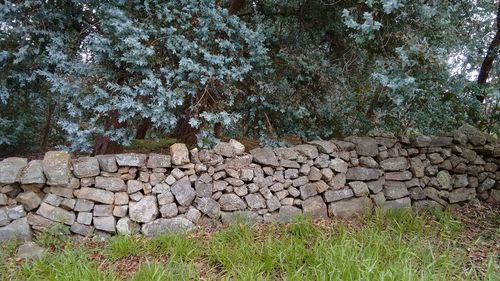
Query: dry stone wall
[(153, 193)]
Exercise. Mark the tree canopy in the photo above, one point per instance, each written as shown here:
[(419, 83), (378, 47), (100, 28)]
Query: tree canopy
[(86, 73)]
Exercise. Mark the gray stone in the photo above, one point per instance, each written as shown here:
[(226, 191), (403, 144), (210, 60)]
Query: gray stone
[(56, 214), (30, 200), (179, 153), (121, 198), (52, 199), (324, 146), (208, 206), (368, 162), (363, 174), (273, 203), (246, 217), (231, 202), (365, 146), (378, 199), (83, 205), (322, 161), (487, 184), (193, 214), (338, 165), (441, 141), (286, 153), (238, 147), (84, 230), (107, 224), (33, 173), (107, 163), (359, 188), (352, 207), (377, 185), (125, 226), (131, 159), (298, 182), (95, 194), (308, 190), (436, 195), (11, 169), (315, 208), (394, 164), (16, 212), (417, 193), (265, 156), (4, 200), (163, 226), (183, 192), (417, 167), (421, 141), (120, 211), (84, 167), (18, 229), (56, 167), (395, 190), (84, 218), (145, 210), (462, 194), (401, 203), (444, 180), (338, 181), (309, 151), (238, 162), (159, 161), (169, 210), (4, 218), (134, 185), (38, 222), (398, 176), (336, 195), (421, 205), (68, 203), (287, 214), (103, 210), (460, 181), (65, 192), (30, 250), (255, 201), (435, 158), (224, 149), (110, 183)]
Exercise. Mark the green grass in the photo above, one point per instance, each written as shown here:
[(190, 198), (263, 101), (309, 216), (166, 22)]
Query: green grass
[(151, 145), (387, 246)]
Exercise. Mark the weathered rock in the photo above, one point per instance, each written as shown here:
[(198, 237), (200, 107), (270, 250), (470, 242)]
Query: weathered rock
[(30, 250), (224, 149), (265, 156), (125, 226), (351, 207), (421, 205), (359, 188), (169, 210), (110, 183), (163, 226), (336, 195), (287, 214), (179, 153), (84, 167), (18, 229), (362, 174), (398, 176), (208, 206), (309, 151), (338, 181), (231, 202), (131, 159), (95, 194), (365, 146), (30, 200), (324, 146), (246, 217), (255, 201), (436, 195), (308, 190), (33, 173), (238, 147), (338, 165), (462, 194), (145, 210), (38, 222), (84, 218), (11, 169), (441, 141), (103, 210), (286, 153), (56, 214), (107, 224), (273, 203), (395, 190), (83, 205), (368, 162), (444, 180), (421, 141), (394, 164), (397, 204), (315, 208), (183, 192), (107, 163), (159, 161), (84, 230), (56, 167), (4, 218), (460, 181), (16, 212)]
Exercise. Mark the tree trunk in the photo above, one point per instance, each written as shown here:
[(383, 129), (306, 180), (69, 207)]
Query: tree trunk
[(487, 64), (142, 129), (103, 144), (48, 125)]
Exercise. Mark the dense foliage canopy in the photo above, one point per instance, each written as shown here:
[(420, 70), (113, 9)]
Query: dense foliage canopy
[(81, 72)]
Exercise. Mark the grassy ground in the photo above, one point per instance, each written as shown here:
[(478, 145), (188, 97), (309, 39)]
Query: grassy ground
[(400, 246)]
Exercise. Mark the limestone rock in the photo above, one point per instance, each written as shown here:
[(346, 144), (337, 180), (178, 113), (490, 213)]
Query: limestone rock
[(444, 180), (110, 183), (338, 165), (462, 194), (324, 146), (162, 226), (84, 167), (362, 174), (224, 149), (33, 173), (315, 208), (255, 201), (309, 151), (208, 206), (95, 194), (107, 224), (336, 195), (56, 214), (145, 210), (179, 153), (231, 202), (125, 226), (18, 229), (395, 190), (394, 164), (183, 192), (30, 200), (56, 167), (11, 169), (265, 156), (287, 214), (351, 207), (365, 146), (131, 159), (159, 161), (107, 163)]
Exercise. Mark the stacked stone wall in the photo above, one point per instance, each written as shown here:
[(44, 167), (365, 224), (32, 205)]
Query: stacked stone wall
[(154, 193)]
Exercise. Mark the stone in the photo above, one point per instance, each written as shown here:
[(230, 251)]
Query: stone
[(59, 191), (398, 176), (224, 149), (30, 250), (231, 202), (83, 205), (401, 203), (308, 190), (421, 141), (121, 198), (362, 174), (322, 161), (3, 199), (208, 206), (4, 218), (309, 151), (324, 146), (365, 146), (193, 214), (18, 229), (338, 181), (368, 162), (131, 159), (56, 214), (38, 222), (327, 174), (265, 156), (52, 199), (183, 192), (56, 167), (359, 188), (378, 199), (84, 218), (238, 147), (107, 224), (11, 169), (238, 162), (29, 200), (169, 210), (103, 210), (490, 167), (287, 214), (286, 153), (125, 226), (107, 163), (84, 167), (255, 201), (494, 195), (444, 180), (165, 226), (179, 153), (133, 186), (273, 203), (377, 185), (110, 183), (33, 173), (462, 194), (145, 210), (487, 184), (441, 141), (84, 230), (16, 212), (395, 190), (394, 164), (315, 174), (417, 193), (300, 181), (95, 194), (421, 205), (351, 207), (435, 158), (417, 167), (435, 195), (120, 211), (245, 217), (460, 181), (158, 161), (336, 195), (338, 165), (315, 208), (234, 182), (156, 178)]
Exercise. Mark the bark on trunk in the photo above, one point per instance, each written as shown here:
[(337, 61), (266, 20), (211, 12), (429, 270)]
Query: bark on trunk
[(103, 144), (487, 64)]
